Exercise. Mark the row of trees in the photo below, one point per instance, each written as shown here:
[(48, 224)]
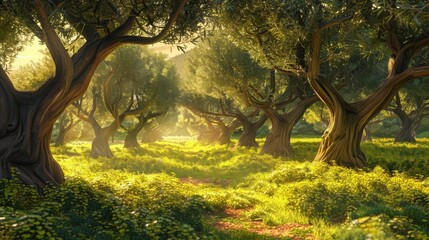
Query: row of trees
[(227, 84), (290, 55)]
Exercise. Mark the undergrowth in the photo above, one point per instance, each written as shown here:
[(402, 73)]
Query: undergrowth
[(168, 190)]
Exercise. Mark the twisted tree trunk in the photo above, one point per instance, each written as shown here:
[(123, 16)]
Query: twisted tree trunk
[(24, 140), (226, 131), (100, 144), (28, 118), (131, 137), (407, 132), (248, 137), (341, 140), (64, 128), (277, 142)]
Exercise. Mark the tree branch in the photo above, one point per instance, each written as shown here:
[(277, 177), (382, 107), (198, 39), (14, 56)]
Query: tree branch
[(154, 39), (60, 56)]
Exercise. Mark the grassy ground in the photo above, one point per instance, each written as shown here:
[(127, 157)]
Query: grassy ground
[(186, 190)]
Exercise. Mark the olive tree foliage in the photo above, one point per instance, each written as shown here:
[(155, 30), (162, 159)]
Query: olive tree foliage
[(203, 115), (132, 82), (232, 72), (102, 26), (156, 87), (305, 38), (220, 69)]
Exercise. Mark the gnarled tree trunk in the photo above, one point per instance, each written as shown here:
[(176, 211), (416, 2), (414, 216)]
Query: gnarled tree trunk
[(407, 132), (100, 144), (65, 126), (28, 118), (131, 138), (248, 137), (24, 140), (226, 131), (277, 142), (341, 141)]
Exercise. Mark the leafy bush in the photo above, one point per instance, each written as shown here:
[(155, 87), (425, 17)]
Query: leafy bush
[(77, 210)]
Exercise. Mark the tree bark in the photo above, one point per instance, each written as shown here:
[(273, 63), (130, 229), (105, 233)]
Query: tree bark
[(341, 141), (277, 142), (28, 118), (226, 131), (248, 137), (25, 134), (407, 132), (100, 144), (131, 138)]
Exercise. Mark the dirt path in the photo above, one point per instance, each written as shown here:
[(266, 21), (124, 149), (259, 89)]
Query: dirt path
[(234, 220)]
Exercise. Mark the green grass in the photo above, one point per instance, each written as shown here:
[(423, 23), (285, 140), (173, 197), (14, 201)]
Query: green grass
[(180, 189)]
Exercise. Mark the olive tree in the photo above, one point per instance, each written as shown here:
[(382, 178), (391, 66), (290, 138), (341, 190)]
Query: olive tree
[(29, 116)]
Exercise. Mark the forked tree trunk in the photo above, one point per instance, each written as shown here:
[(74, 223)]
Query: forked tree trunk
[(277, 142), (248, 137), (27, 118), (226, 131), (341, 141), (407, 132), (131, 138), (64, 128)]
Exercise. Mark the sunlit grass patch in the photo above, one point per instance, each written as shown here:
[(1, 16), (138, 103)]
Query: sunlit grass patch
[(177, 179)]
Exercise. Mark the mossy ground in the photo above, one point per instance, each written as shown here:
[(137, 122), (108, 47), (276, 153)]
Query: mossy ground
[(185, 190)]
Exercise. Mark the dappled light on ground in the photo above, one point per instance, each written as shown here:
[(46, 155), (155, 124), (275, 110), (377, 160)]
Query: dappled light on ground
[(187, 190)]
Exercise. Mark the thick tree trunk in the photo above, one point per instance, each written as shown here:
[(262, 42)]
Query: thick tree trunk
[(131, 139), (277, 142), (406, 133), (100, 144), (226, 131), (25, 134), (224, 137), (341, 141), (248, 137)]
